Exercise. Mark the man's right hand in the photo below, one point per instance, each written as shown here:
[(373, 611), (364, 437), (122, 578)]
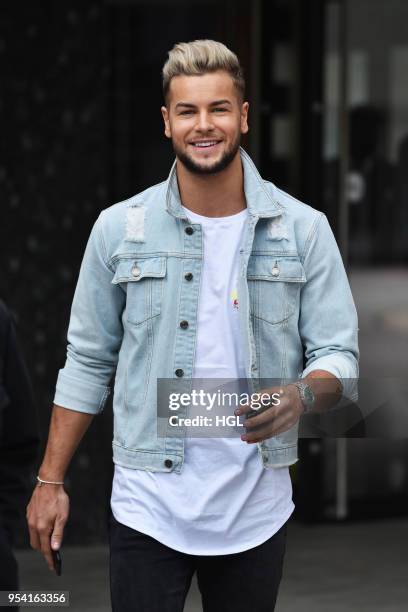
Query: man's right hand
[(48, 509), (47, 513)]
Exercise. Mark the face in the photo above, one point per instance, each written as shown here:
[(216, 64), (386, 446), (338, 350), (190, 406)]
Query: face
[(205, 118)]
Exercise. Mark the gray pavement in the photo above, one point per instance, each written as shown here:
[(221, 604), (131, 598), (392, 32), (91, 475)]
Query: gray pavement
[(360, 567)]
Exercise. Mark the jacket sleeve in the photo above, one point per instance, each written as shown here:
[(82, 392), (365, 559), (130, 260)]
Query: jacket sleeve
[(95, 332), (328, 319)]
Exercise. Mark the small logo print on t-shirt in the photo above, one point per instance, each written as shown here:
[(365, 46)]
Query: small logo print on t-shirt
[(234, 298)]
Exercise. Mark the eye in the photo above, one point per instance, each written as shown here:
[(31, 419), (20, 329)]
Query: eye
[(220, 109), (186, 112)]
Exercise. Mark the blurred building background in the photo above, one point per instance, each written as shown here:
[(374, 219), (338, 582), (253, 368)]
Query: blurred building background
[(81, 129)]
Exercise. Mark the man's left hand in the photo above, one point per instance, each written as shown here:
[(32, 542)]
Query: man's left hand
[(272, 420)]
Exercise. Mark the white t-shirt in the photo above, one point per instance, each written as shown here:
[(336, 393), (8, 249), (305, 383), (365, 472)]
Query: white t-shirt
[(223, 501)]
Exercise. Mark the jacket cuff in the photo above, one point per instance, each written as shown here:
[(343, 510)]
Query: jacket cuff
[(342, 367), (82, 396)]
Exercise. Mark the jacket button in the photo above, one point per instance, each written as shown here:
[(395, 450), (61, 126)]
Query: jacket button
[(179, 372), (136, 271), (188, 276), (183, 324), (168, 463), (275, 271), (189, 230)]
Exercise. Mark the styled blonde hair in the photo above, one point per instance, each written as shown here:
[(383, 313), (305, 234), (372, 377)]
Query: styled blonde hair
[(199, 57)]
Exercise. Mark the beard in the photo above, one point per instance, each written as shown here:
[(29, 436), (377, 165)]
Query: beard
[(217, 166)]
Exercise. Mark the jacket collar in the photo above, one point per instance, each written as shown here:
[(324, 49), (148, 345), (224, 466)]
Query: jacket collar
[(260, 201)]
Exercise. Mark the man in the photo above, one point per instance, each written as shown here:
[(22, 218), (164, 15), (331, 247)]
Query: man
[(19, 441), (214, 273)]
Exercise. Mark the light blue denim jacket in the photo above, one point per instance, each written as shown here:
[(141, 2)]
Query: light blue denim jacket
[(140, 277)]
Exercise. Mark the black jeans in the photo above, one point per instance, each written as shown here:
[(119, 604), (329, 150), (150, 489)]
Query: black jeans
[(147, 576)]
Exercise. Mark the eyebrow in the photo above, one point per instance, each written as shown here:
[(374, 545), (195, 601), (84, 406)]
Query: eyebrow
[(189, 105)]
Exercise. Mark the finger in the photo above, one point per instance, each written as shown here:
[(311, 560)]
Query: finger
[(46, 548), (261, 401), (32, 528), (267, 414), (34, 537), (256, 436), (243, 409), (282, 421), (279, 426), (58, 533), (282, 425), (264, 417), (249, 408)]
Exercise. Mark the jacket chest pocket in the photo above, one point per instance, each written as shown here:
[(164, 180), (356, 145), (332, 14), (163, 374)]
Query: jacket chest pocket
[(142, 279), (274, 285)]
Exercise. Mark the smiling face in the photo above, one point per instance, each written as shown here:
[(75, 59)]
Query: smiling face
[(205, 118)]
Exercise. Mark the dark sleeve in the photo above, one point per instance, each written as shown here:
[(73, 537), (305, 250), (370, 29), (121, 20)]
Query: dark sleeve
[(19, 435)]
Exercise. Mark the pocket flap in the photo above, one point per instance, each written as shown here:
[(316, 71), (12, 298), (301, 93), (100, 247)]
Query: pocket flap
[(135, 269), (271, 268)]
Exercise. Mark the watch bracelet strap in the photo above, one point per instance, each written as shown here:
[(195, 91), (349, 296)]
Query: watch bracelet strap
[(298, 386)]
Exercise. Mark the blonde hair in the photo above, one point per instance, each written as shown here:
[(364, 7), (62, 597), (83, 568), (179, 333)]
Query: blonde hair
[(199, 57)]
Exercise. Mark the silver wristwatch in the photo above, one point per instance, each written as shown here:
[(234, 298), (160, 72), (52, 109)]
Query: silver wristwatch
[(306, 394)]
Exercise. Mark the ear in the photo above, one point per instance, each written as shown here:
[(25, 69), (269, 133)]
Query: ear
[(165, 114), (244, 118)]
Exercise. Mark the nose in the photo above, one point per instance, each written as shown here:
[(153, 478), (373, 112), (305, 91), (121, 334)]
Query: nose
[(204, 122)]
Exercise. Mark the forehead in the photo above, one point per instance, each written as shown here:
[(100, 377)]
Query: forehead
[(202, 89)]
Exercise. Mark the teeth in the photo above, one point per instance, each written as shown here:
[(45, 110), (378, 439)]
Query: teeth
[(204, 144)]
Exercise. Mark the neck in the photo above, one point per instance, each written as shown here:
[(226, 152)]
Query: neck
[(213, 195)]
